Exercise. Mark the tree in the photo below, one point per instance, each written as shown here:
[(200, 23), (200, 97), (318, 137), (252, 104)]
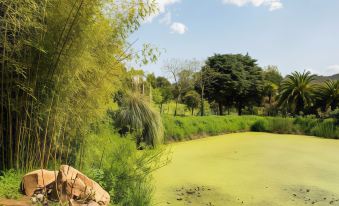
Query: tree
[(239, 81), (157, 97), (165, 89), (192, 100), (297, 92), (182, 77), (151, 80), (61, 62), (202, 78), (328, 95), (271, 74)]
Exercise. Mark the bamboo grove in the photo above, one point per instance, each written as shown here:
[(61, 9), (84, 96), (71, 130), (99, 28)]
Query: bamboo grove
[(60, 64)]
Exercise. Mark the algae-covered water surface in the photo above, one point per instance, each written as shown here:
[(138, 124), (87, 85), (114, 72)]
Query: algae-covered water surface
[(251, 169)]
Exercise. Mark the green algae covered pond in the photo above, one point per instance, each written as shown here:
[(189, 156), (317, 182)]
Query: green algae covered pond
[(258, 169)]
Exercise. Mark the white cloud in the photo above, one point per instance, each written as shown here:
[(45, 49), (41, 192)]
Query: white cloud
[(178, 27), (162, 4), (333, 69), (271, 4), (166, 19)]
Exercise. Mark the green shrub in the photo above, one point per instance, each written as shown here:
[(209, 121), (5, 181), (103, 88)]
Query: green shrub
[(120, 168), (184, 128), (281, 125), (305, 124), (10, 184), (260, 125), (326, 128)]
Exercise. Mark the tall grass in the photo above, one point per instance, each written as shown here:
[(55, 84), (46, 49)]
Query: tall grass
[(180, 128), (121, 169), (327, 129), (57, 78), (185, 128), (136, 115)]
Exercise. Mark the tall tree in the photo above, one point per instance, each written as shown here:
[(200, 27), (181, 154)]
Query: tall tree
[(297, 92), (328, 95), (181, 74), (60, 64), (202, 78), (239, 81), (272, 80), (272, 74), (192, 100)]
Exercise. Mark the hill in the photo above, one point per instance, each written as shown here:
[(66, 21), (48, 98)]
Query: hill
[(324, 78)]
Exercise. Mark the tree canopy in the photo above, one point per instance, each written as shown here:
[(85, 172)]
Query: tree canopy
[(239, 81)]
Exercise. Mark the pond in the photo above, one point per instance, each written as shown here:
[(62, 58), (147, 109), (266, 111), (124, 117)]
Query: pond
[(258, 169)]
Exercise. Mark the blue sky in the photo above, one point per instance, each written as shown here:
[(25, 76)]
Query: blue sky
[(292, 34)]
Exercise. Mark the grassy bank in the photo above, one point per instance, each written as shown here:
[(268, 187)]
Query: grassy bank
[(186, 128)]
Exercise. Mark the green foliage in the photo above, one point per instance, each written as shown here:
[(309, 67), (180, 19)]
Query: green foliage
[(240, 80), (61, 62), (326, 128), (120, 168), (125, 172), (260, 125), (10, 183), (157, 96), (328, 95), (281, 125), (136, 116), (296, 92), (192, 100), (182, 128), (272, 74)]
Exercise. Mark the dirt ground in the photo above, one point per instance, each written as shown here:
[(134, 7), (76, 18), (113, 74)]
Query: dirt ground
[(253, 169), (23, 201)]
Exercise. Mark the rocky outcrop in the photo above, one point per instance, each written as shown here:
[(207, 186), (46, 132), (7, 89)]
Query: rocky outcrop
[(66, 185)]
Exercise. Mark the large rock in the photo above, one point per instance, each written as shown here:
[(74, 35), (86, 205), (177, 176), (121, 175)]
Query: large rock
[(38, 180), (72, 184), (67, 185)]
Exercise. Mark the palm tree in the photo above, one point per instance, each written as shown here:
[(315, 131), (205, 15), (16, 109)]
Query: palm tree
[(328, 94), (297, 91), (136, 116)]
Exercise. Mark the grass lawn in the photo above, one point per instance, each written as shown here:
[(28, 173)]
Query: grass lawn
[(251, 169)]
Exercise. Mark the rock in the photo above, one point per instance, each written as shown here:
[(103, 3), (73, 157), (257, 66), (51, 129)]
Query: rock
[(179, 198), (34, 200), (37, 180), (66, 185), (72, 183), (40, 197)]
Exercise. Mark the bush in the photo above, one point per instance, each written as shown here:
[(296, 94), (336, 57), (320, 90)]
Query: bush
[(326, 128), (184, 128), (10, 184), (120, 168), (260, 125), (281, 125)]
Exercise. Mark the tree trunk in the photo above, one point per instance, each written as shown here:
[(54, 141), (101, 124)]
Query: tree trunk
[(192, 111), (239, 110), (220, 109), (202, 112), (176, 107)]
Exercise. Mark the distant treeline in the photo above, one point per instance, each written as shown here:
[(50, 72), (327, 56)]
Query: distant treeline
[(234, 81)]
